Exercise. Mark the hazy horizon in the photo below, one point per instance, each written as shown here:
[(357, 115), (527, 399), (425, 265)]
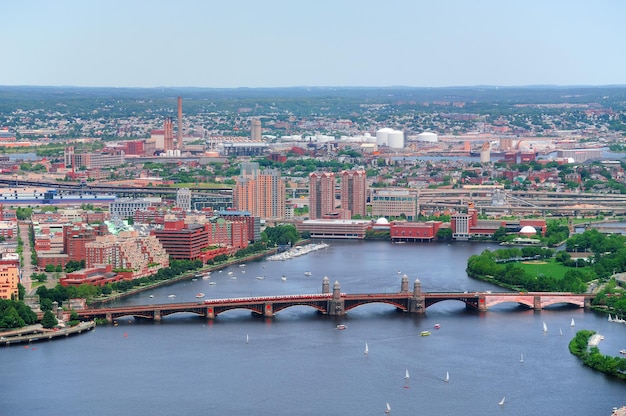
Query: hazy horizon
[(282, 44)]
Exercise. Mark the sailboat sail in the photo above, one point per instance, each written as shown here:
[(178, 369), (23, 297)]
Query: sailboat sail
[(447, 377), (387, 408), (406, 374), (367, 350), (521, 359), (545, 327), (572, 323), (501, 402)]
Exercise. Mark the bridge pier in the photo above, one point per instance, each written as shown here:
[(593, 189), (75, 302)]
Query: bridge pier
[(482, 303), (109, 317), (336, 305), (537, 303), (268, 310), (587, 304), (157, 315), (209, 313)]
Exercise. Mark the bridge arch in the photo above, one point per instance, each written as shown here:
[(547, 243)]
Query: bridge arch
[(397, 303)]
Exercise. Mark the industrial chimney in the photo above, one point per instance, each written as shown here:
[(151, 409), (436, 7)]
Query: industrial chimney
[(179, 143)]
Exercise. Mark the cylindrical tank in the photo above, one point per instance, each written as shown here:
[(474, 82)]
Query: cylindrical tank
[(427, 137), (395, 139), (381, 136)]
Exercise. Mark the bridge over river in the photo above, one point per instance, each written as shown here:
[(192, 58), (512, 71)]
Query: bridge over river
[(336, 303)]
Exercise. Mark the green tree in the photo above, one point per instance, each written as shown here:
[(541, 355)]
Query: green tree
[(49, 320)]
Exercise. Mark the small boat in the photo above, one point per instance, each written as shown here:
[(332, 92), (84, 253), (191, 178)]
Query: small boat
[(572, 323), (521, 358), (229, 273), (341, 326), (242, 265), (622, 352), (151, 296), (501, 402), (387, 408), (367, 350), (194, 280), (283, 278), (211, 283), (425, 333), (307, 273), (545, 327), (437, 326), (261, 277), (200, 295), (233, 277), (447, 379), (171, 296), (406, 374)]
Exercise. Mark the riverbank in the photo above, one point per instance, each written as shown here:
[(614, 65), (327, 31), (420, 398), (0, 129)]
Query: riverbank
[(35, 333), (187, 276)]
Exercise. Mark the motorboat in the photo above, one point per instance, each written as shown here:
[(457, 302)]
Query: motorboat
[(171, 296), (211, 283), (341, 326), (622, 352), (283, 278), (261, 277), (425, 333), (200, 295), (307, 273), (437, 326)]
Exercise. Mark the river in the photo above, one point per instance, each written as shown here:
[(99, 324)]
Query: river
[(298, 363)]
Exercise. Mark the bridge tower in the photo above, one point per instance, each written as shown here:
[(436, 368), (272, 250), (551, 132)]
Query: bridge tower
[(416, 303), (404, 286), (326, 285), (336, 303)]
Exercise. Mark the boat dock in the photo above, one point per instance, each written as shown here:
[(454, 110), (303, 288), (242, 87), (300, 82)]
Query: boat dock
[(35, 333), (595, 340)]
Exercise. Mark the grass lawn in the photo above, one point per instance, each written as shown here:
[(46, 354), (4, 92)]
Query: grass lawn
[(547, 268)]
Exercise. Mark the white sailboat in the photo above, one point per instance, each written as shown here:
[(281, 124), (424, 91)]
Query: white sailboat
[(560, 331), (501, 402), (545, 327), (447, 377), (406, 374), (367, 350), (247, 338), (521, 358), (387, 408), (572, 323)]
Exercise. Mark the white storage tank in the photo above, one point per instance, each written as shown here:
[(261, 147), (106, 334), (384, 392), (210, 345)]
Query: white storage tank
[(382, 136), (395, 139), (428, 137)]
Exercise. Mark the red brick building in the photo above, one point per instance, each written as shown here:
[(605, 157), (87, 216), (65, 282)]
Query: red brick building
[(413, 231), (75, 237), (184, 243)]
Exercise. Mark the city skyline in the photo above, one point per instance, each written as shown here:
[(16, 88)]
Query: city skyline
[(282, 44)]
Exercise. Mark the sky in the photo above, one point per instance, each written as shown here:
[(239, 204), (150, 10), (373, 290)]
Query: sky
[(331, 43)]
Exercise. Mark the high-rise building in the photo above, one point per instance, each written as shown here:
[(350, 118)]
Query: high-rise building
[(260, 192), (354, 192), (183, 199), (255, 131), (321, 194), (168, 134)]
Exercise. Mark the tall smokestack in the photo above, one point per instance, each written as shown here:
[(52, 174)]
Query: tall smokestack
[(179, 144)]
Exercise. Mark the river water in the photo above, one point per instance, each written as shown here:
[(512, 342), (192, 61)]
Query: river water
[(297, 363)]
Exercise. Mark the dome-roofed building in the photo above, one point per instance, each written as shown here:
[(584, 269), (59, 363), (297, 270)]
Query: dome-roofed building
[(528, 231)]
